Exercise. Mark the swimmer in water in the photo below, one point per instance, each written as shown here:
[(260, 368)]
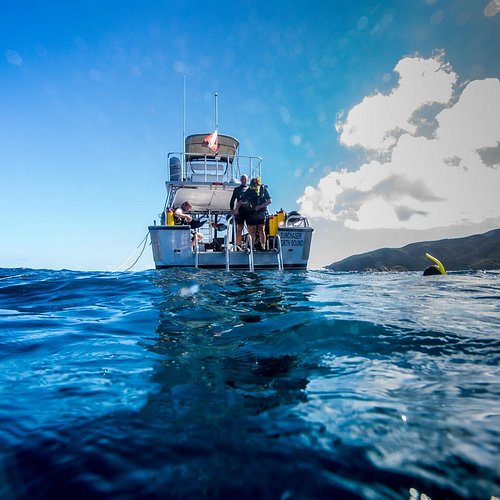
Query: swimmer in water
[(436, 268)]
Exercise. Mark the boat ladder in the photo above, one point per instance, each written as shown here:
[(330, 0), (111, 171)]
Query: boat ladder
[(250, 253), (226, 251), (279, 253), (249, 246), (196, 250)]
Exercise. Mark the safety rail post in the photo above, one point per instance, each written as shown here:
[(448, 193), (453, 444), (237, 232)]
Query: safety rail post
[(251, 266), (226, 250), (231, 230), (196, 249), (279, 253)]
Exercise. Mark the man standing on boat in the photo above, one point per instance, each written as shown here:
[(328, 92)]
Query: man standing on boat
[(253, 209), (233, 205)]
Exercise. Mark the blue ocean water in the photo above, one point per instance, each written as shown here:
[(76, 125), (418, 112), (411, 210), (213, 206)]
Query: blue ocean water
[(279, 385)]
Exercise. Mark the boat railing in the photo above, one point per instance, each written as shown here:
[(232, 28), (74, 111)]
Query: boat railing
[(196, 167)]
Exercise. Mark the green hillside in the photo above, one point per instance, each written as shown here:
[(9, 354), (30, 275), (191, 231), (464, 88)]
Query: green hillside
[(481, 251)]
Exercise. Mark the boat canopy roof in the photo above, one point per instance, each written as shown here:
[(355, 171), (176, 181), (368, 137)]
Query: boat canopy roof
[(196, 147), (204, 197)]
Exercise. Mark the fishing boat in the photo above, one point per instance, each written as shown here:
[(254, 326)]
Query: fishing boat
[(205, 174)]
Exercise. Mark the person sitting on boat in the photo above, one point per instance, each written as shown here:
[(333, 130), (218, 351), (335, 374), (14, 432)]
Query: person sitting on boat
[(253, 209), (237, 194), (181, 216)]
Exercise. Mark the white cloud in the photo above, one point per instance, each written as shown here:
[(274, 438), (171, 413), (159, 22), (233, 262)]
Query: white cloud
[(378, 121), (13, 58), (419, 177)]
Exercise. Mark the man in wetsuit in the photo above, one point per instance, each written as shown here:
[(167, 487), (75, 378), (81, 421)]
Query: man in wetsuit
[(233, 205), (253, 209)]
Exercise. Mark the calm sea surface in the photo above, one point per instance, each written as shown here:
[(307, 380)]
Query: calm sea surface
[(204, 384)]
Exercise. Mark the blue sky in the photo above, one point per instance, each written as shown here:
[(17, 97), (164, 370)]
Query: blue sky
[(91, 103)]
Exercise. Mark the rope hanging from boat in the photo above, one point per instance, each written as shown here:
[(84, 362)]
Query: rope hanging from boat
[(143, 243)]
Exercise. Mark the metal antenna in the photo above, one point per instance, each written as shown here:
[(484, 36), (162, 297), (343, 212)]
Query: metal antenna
[(216, 96), (184, 123)]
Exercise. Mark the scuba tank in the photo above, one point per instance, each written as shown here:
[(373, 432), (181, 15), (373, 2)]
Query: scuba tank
[(273, 225), (170, 217), (281, 218)]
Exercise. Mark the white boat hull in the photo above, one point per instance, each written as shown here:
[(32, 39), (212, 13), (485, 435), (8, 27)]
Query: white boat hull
[(172, 247)]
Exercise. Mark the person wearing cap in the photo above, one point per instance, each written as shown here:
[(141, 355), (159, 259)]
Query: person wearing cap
[(233, 205), (253, 209)]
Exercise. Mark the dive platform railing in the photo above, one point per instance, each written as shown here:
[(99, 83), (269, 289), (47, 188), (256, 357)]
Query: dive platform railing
[(230, 247)]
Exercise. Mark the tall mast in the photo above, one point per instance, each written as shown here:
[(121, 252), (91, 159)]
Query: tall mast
[(184, 125)]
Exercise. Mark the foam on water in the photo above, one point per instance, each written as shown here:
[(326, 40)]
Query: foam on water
[(278, 385)]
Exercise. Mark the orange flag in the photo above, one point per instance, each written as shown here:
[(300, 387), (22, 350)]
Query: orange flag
[(212, 141)]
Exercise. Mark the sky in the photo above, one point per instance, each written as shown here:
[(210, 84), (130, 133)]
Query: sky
[(379, 120)]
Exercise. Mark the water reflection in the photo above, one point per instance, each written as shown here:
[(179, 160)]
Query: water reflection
[(219, 362)]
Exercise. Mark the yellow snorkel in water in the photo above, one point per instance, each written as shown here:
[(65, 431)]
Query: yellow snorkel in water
[(438, 268)]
